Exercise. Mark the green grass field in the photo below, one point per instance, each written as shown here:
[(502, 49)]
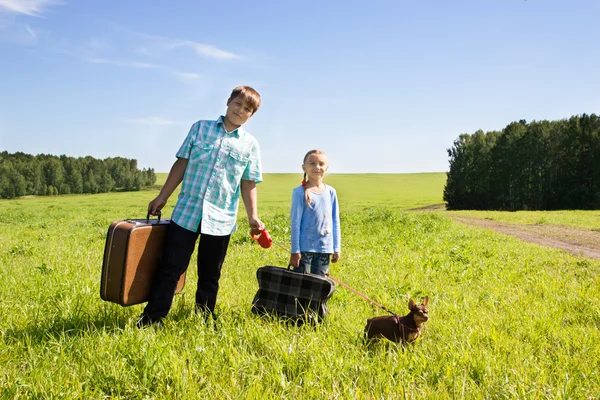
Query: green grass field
[(396, 191), (508, 319)]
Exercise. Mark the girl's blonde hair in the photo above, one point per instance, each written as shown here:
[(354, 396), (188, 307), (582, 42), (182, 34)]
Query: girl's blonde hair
[(304, 181)]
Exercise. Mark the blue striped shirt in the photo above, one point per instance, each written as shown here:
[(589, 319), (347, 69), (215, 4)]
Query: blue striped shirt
[(217, 163)]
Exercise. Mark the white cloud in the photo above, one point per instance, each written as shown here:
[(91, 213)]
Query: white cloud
[(210, 51), (128, 64), (96, 44), (145, 51), (157, 44), (183, 77), (27, 7), (153, 121), (14, 32), (186, 76), (31, 32), (12, 29)]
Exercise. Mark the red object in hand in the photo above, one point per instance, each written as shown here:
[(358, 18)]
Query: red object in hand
[(264, 239)]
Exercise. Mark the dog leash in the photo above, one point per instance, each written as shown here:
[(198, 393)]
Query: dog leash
[(344, 285), (361, 295)]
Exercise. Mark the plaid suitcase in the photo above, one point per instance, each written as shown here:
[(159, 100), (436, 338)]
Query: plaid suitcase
[(132, 253), (290, 294)]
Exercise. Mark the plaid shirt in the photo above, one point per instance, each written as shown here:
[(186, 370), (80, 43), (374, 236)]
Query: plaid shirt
[(210, 190)]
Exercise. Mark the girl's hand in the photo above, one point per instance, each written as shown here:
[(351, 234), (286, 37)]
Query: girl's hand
[(295, 260), (335, 257)]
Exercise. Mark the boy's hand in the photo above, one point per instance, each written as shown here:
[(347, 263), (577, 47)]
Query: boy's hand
[(295, 260), (256, 226), (156, 205), (335, 257)]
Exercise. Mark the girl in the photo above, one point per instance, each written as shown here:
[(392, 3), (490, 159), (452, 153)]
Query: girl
[(315, 219)]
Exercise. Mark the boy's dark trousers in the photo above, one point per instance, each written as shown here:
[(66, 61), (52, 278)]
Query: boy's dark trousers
[(179, 246)]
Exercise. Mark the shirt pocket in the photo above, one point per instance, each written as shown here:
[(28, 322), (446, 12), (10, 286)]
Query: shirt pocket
[(201, 153), (237, 162)]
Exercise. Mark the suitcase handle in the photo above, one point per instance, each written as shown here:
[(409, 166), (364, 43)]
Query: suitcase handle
[(148, 216), (289, 267)]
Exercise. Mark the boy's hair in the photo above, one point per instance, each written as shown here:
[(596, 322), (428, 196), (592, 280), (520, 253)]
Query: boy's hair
[(249, 94), (304, 181)]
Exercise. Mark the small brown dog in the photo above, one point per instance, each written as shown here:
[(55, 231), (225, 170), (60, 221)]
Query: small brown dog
[(399, 329)]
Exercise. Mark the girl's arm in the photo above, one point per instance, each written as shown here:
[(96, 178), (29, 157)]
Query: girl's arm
[(337, 232), (296, 218)]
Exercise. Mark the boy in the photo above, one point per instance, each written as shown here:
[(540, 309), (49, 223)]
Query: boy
[(217, 162)]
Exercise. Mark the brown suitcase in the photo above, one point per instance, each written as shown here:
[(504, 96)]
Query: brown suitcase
[(132, 253)]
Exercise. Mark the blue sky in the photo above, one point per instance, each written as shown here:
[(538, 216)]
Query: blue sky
[(381, 86)]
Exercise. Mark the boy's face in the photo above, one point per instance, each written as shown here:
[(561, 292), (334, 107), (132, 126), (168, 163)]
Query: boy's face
[(238, 111)]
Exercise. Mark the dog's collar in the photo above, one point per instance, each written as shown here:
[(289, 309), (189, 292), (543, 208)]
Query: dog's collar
[(398, 321)]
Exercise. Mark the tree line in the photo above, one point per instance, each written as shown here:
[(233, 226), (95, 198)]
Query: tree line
[(47, 175), (541, 165)]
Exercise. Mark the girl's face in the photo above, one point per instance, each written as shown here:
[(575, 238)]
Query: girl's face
[(315, 166)]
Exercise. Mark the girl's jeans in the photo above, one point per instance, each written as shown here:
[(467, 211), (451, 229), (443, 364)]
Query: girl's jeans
[(314, 263)]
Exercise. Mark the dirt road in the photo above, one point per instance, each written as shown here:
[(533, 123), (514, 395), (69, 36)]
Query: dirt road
[(576, 241)]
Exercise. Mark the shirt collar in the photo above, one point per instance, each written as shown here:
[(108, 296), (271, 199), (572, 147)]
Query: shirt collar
[(237, 132)]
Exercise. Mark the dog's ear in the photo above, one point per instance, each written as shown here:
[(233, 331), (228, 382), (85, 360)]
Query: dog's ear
[(411, 304), (425, 301)]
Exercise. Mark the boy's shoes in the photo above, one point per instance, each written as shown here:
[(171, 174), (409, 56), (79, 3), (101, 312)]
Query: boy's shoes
[(145, 321)]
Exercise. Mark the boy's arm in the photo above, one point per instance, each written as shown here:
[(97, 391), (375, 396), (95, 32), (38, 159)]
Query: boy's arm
[(173, 180), (250, 198)]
